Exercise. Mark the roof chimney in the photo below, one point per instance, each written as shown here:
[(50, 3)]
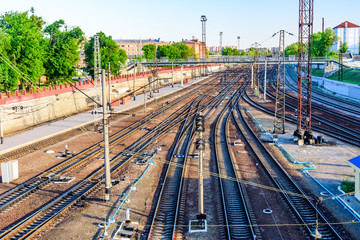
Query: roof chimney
[(346, 24)]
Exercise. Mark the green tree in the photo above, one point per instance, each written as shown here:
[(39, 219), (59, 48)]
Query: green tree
[(26, 45), (62, 51), (185, 50), (8, 78), (252, 52), (292, 49), (343, 48), (149, 51), (230, 52), (109, 53), (169, 51), (322, 41)]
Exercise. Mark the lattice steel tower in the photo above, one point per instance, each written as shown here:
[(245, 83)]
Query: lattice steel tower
[(306, 15), (97, 60), (221, 34), (279, 120)]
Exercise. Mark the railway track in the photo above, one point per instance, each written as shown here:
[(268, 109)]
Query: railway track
[(117, 163), (238, 222), (349, 132), (48, 213), (341, 135), (163, 225), (23, 190), (305, 211), (345, 105)]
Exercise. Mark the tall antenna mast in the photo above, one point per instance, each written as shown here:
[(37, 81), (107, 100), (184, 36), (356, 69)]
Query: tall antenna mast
[(306, 15), (221, 34), (279, 119), (203, 20)]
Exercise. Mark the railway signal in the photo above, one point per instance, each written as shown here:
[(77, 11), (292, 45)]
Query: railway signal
[(200, 123), (200, 144)]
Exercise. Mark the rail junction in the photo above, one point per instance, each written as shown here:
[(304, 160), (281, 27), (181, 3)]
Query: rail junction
[(235, 175)]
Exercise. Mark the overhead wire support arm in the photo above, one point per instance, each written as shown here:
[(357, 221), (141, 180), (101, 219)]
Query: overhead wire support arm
[(72, 85)]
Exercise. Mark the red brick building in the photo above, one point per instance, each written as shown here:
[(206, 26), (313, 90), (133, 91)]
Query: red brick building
[(133, 47)]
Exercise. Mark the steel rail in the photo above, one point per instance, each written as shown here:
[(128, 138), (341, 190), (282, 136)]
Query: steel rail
[(165, 215), (302, 207), (340, 136), (238, 222), (21, 191)]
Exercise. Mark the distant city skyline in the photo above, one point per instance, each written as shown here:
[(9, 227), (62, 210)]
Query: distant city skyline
[(253, 21)]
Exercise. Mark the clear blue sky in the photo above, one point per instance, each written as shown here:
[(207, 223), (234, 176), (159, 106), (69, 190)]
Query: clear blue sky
[(252, 20)]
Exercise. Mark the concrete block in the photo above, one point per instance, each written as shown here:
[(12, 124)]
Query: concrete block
[(9, 171)]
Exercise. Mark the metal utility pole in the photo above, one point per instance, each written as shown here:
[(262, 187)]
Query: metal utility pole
[(238, 38), (172, 73), (252, 75), (265, 80), (221, 34), (134, 81), (323, 24), (279, 119), (203, 20), (106, 141), (340, 72), (97, 72), (1, 133), (306, 15), (109, 87), (182, 76), (97, 60)]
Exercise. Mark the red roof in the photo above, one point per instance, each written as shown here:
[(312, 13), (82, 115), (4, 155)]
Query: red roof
[(347, 24)]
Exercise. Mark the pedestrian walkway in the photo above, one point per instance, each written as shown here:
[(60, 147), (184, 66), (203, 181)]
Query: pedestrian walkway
[(48, 130)]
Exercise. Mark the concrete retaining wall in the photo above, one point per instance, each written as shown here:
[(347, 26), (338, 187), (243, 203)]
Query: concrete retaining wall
[(346, 89), (28, 109)]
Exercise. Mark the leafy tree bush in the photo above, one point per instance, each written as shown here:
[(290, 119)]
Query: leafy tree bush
[(347, 186), (26, 50), (62, 50), (149, 51), (109, 53), (169, 51)]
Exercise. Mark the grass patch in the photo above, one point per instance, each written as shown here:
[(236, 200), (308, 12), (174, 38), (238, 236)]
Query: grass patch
[(318, 72), (347, 186), (350, 75)]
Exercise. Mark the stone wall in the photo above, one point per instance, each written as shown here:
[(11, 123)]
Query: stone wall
[(26, 109)]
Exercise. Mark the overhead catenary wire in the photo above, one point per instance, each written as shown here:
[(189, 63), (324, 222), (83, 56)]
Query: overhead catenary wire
[(26, 78)]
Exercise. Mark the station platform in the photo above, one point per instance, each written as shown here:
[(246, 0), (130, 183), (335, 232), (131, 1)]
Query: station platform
[(44, 131)]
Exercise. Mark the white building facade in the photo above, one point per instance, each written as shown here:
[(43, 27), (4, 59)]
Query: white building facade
[(349, 33)]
